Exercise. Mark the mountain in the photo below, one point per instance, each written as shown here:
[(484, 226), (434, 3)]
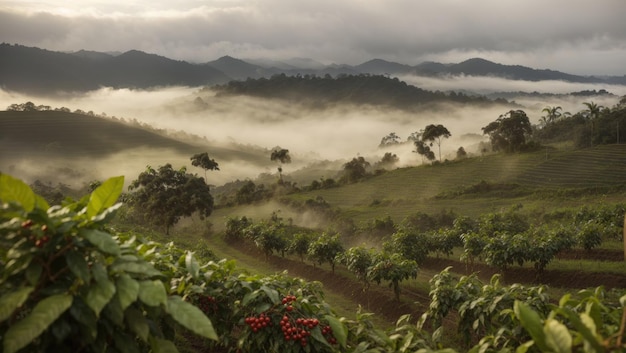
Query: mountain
[(238, 69), (40, 71), (381, 67), (482, 67), (34, 70)]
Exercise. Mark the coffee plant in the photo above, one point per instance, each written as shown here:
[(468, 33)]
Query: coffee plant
[(70, 284)]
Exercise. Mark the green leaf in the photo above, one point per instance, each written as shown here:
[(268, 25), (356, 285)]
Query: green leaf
[(271, 293), (339, 330), (43, 315), (10, 302), (102, 240), (191, 317), (15, 190), (137, 323), (99, 295), (105, 195), (582, 328), (33, 273), (139, 267), (127, 290), (125, 343), (558, 337), (152, 293), (78, 265), (41, 203), (531, 321), (162, 346)]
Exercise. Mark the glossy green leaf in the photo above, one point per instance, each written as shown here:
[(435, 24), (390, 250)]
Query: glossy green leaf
[(78, 265), (339, 330), (12, 301), (102, 240), (15, 190), (137, 323), (127, 290), (558, 337), (105, 195), (43, 315), (99, 295), (190, 317), (41, 203), (531, 321), (152, 293)]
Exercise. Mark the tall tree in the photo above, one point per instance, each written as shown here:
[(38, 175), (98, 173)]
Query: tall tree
[(203, 161), (508, 132), (434, 133), (164, 195), (282, 156)]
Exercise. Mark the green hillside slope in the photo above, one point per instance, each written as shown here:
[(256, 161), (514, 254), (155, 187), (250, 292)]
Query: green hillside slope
[(525, 177)]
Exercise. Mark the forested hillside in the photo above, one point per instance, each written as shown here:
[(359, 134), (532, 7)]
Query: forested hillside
[(353, 89)]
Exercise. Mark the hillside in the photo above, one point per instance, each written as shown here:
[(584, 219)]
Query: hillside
[(65, 136), (483, 184), (316, 91)]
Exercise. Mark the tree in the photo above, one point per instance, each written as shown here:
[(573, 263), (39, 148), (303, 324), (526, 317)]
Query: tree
[(552, 114), (358, 260), (164, 195), (282, 156), (203, 161), (391, 139), (355, 170), (393, 268), (591, 113), (461, 153), (424, 150), (434, 134), (508, 132), (325, 249)]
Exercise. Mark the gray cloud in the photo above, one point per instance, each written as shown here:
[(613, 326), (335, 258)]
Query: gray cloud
[(577, 36)]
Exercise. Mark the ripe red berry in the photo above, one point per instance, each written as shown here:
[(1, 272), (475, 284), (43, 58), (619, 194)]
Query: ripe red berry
[(289, 308), (27, 223)]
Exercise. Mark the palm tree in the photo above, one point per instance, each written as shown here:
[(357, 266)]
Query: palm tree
[(552, 114), (592, 112)]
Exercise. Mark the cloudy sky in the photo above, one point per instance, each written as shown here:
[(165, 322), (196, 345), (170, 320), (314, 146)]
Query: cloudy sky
[(576, 36)]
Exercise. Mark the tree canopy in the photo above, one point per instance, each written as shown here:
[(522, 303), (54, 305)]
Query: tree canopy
[(203, 161), (164, 195), (434, 133), (355, 170), (508, 133)]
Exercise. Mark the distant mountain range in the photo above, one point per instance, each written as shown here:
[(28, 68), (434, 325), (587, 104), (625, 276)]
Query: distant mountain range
[(34, 70)]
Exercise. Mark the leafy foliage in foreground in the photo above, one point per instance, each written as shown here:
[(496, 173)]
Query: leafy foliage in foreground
[(68, 284)]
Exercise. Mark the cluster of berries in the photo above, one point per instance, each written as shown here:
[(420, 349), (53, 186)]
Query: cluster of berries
[(327, 331), (287, 302), (297, 330), (258, 322), (207, 303), (39, 240)]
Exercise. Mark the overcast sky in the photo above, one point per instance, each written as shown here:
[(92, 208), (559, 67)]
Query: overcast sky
[(576, 36)]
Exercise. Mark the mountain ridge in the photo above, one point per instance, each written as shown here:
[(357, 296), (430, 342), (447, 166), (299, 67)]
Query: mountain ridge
[(35, 70)]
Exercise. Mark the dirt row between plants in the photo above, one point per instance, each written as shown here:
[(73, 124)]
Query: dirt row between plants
[(380, 299)]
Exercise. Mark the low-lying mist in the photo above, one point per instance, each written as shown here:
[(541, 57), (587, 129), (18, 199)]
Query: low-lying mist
[(327, 134)]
